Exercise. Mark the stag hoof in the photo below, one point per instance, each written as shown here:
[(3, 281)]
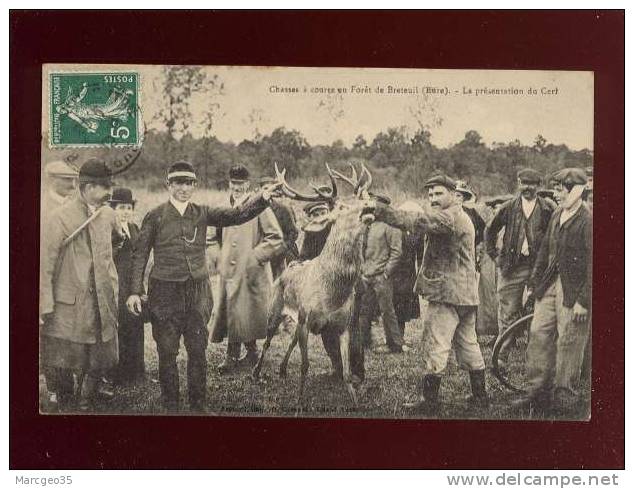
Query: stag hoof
[(353, 395)]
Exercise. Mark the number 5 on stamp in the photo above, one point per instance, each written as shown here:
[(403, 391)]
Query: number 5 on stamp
[(94, 109)]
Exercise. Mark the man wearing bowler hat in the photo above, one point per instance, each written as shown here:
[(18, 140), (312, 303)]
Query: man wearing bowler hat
[(245, 277), (447, 280), (79, 286), (179, 295), (562, 286), (131, 335), (525, 220)]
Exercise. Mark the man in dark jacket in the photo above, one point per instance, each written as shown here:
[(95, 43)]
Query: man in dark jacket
[(381, 252), (525, 220), (285, 216), (447, 280), (562, 281), (179, 290)]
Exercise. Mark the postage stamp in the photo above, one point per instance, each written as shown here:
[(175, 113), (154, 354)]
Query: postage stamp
[(94, 109)]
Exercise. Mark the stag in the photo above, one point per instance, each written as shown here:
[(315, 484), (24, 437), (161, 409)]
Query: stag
[(318, 293)]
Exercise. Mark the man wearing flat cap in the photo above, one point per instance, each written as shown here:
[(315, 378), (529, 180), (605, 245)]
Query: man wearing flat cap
[(245, 277), (562, 285), (285, 216), (79, 287), (524, 220), (447, 280), (179, 295)]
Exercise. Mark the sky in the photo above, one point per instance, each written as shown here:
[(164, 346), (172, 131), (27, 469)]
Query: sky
[(260, 99)]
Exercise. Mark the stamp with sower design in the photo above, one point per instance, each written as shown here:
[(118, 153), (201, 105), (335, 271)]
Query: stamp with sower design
[(94, 109)]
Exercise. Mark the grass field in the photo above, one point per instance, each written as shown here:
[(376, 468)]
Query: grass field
[(390, 381)]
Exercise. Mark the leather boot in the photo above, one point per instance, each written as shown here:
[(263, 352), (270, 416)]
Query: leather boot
[(251, 356), (87, 387), (479, 397), (427, 402), (228, 364)]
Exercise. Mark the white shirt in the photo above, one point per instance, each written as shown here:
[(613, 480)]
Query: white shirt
[(528, 206), (568, 213), (126, 229), (181, 207)]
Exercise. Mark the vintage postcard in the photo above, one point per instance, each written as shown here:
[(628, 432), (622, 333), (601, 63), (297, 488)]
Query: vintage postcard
[(320, 242)]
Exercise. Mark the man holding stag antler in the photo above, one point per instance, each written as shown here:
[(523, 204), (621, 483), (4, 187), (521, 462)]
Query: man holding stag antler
[(447, 280)]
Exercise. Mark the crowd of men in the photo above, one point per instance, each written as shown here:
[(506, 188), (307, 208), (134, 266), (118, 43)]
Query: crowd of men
[(96, 292)]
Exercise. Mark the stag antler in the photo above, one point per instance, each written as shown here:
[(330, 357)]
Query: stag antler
[(360, 188), (291, 193)]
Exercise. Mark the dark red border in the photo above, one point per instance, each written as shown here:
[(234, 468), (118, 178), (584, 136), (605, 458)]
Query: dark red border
[(579, 40)]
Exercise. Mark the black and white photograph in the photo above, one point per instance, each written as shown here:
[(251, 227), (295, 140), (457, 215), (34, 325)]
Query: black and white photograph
[(316, 242)]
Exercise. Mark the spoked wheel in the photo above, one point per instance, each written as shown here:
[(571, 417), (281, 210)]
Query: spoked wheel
[(513, 377)]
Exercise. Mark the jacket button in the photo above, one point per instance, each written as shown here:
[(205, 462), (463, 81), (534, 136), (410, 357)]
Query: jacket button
[(233, 262), (234, 244)]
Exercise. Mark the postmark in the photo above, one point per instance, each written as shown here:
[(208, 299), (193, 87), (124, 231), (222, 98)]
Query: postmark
[(94, 109)]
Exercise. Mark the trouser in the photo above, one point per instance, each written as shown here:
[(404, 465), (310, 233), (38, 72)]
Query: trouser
[(510, 288), (167, 333), (447, 324), (233, 348), (378, 290), (60, 381), (556, 348)]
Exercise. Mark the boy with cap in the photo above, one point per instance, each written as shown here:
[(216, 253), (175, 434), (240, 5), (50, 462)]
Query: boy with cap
[(447, 280), (525, 220), (562, 282), (179, 295), (79, 286), (131, 335), (245, 276)]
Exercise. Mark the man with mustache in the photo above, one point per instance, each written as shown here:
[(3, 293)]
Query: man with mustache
[(525, 220), (447, 280), (562, 281), (78, 286)]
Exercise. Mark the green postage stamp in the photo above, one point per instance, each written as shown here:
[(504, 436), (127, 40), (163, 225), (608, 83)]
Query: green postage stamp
[(94, 109)]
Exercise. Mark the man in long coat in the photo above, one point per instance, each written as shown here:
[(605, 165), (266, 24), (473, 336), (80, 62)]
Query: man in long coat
[(60, 184), (245, 277), (79, 286)]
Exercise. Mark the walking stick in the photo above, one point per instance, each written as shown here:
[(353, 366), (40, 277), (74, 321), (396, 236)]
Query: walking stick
[(74, 234)]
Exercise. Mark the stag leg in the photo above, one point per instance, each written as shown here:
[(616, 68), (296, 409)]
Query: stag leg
[(303, 347), (287, 356), (347, 374), (258, 366)]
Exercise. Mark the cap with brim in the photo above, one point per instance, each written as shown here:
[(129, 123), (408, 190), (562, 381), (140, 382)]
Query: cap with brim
[(59, 169), (314, 206), (550, 194), (463, 188), (380, 198), (182, 170), (239, 174), (266, 180), (572, 176), (528, 175), (442, 180)]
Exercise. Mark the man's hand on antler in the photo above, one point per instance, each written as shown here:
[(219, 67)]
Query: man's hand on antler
[(272, 191)]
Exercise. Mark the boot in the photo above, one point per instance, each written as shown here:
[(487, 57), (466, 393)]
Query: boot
[(229, 364), (86, 388), (479, 397), (427, 402), (250, 358)]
